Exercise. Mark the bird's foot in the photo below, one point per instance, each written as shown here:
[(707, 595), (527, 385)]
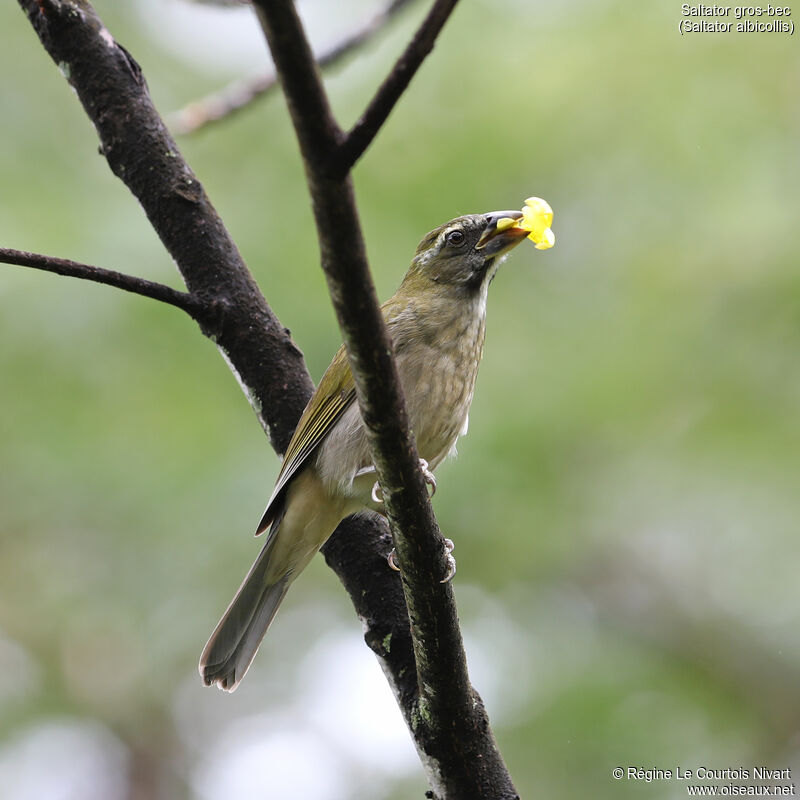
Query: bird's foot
[(451, 561), (427, 476)]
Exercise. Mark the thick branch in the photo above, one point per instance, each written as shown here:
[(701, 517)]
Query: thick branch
[(237, 96), (391, 90), (448, 721), (128, 283), (140, 152)]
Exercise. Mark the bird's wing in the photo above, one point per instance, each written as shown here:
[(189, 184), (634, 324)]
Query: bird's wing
[(335, 393)]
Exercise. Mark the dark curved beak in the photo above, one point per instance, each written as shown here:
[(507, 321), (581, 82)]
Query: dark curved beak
[(496, 242)]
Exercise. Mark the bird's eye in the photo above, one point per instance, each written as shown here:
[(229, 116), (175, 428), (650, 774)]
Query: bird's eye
[(455, 238)]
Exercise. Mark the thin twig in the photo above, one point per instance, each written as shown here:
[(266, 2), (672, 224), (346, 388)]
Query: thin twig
[(364, 131), (219, 105), (128, 283)]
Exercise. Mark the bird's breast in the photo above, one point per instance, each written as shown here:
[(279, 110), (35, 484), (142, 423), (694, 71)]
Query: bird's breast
[(437, 355), (438, 377)]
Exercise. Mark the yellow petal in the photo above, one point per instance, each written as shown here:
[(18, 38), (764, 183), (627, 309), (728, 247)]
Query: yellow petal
[(539, 205), (537, 214), (547, 240), (504, 223)]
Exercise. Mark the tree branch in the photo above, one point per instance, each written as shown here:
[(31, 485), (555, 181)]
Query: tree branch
[(446, 716), (391, 90), (128, 283), (219, 105)]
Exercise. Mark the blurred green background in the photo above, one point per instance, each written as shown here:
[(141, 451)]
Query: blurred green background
[(625, 506)]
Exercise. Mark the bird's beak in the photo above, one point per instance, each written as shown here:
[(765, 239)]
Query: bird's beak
[(497, 240)]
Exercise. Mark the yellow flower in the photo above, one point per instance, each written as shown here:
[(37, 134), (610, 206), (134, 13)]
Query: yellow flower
[(537, 217)]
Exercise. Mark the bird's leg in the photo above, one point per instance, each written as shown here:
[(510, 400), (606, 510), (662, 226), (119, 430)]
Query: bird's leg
[(451, 561), (377, 493), (369, 490)]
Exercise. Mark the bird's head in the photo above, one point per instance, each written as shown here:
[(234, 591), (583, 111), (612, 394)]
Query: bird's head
[(463, 254)]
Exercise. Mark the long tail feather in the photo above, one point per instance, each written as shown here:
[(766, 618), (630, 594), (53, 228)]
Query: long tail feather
[(234, 642)]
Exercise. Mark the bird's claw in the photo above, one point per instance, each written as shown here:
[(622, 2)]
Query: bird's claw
[(391, 559), (427, 476)]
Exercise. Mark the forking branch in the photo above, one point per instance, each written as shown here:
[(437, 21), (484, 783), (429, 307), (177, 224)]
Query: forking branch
[(425, 664)]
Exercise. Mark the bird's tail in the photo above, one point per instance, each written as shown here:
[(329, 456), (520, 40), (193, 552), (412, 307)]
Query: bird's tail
[(228, 653)]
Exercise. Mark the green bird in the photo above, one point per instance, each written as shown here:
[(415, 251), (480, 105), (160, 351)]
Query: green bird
[(437, 323)]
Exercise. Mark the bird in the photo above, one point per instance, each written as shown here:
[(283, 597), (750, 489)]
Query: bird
[(437, 322)]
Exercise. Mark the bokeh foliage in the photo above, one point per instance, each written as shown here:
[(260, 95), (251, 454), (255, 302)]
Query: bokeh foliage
[(625, 506)]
